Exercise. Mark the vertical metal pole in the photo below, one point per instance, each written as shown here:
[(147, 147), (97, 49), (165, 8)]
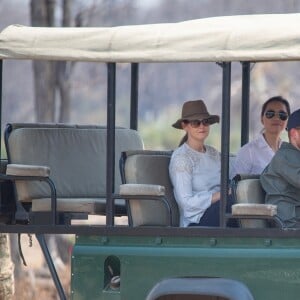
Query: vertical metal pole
[(245, 102), (110, 148), (1, 79), (49, 261), (225, 139), (134, 95)]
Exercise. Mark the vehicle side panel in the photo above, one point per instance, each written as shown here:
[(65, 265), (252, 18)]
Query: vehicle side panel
[(269, 268)]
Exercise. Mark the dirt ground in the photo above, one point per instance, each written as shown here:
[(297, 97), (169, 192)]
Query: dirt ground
[(36, 282)]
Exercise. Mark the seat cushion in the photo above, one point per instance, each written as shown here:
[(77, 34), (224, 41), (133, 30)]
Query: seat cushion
[(151, 168), (250, 191), (75, 156), (93, 206), (254, 209)]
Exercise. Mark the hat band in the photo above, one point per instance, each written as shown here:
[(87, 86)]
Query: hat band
[(196, 117), (195, 114)]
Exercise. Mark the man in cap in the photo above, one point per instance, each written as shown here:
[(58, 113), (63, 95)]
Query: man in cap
[(281, 178)]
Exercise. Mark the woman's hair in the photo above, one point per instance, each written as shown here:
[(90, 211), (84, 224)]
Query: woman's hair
[(276, 99), (183, 140)]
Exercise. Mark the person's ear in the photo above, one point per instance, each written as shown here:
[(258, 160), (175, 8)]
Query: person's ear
[(293, 133)]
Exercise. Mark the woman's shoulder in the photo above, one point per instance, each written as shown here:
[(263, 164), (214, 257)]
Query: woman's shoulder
[(252, 145), (212, 151), (180, 159), (181, 153)]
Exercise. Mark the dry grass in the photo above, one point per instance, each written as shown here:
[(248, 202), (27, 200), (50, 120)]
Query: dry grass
[(35, 281)]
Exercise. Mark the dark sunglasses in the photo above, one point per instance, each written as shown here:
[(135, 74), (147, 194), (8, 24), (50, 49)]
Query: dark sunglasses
[(197, 123), (281, 114)]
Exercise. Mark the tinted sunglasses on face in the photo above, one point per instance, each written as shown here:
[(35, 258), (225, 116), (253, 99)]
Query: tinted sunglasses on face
[(197, 123), (281, 114)]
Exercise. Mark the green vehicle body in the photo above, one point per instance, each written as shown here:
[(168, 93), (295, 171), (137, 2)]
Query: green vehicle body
[(269, 267)]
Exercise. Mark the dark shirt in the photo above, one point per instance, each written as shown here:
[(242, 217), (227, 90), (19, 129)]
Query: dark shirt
[(281, 181)]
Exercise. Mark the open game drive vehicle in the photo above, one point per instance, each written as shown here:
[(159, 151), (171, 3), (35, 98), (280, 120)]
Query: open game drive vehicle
[(43, 190)]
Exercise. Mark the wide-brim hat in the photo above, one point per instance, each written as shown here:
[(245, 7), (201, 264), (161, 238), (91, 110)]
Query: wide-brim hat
[(195, 110)]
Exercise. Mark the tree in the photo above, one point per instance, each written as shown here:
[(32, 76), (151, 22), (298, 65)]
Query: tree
[(51, 81), (50, 76), (6, 269)]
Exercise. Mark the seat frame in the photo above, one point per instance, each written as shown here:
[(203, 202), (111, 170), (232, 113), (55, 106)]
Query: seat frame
[(271, 219), (136, 188)]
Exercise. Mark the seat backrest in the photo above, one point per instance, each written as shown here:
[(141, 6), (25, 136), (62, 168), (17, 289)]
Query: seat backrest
[(75, 154), (249, 190), (149, 167)]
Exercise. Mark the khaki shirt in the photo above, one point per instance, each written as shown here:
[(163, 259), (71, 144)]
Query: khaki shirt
[(281, 181)]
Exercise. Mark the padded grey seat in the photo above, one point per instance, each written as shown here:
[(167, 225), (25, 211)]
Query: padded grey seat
[(250, 202), (148, 188), (74, 158)]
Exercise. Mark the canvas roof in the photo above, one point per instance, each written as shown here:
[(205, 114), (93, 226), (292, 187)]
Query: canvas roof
[(269, 37)]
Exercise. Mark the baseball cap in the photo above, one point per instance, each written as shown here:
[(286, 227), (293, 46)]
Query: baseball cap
[(294, 120)]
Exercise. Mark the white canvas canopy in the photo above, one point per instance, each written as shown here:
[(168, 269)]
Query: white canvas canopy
[(270, 37)]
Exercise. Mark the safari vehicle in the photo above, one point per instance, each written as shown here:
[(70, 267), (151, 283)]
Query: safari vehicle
[(152, 257)]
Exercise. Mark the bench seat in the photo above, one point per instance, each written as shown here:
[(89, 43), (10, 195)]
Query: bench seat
[(73, 157)]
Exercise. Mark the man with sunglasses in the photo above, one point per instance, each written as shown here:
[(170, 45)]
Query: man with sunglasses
[(281, 178)]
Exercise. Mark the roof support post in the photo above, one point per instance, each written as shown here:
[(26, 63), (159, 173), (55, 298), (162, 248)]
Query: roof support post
[(110, 148), (245, 102), (134, 95), (1, 80), (225, 139)]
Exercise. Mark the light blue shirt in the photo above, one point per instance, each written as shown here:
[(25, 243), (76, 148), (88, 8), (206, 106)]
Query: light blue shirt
[(195, 177)]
